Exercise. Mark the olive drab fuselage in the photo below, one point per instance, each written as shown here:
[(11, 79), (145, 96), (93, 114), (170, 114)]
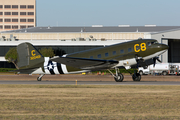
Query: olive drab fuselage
[(118, 55)]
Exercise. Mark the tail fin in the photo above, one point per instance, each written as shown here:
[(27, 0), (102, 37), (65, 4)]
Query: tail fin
[(29, 57)]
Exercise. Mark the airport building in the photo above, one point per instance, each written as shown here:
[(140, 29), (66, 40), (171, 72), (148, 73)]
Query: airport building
[(17, 14), (65, 40)]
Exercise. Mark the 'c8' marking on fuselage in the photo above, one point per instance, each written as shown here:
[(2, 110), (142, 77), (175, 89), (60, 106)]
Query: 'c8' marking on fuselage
[(142, 47)]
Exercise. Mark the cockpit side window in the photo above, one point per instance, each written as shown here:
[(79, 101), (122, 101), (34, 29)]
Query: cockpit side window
[(151, 43)]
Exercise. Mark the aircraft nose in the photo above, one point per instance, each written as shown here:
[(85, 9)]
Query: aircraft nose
[(164, 47)]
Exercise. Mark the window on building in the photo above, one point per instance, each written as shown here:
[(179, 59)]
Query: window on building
[(1, 20), (99, 56), (14, 20), (30, 26), (23, 6), (106, 54), (22, 13), (7, 20), (129, 49), (114, 52), (14, 6), (30, 20), (1, 27), (1, 6), (15, 27), (122, 51), (1, 13), (7, 6), (7, 13), (30, 6), (22, 26), (7, 27), (22, 20), (14, 13), (30, 13)]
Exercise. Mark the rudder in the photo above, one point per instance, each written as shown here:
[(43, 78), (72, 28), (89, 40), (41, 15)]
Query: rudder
[(29, 57)]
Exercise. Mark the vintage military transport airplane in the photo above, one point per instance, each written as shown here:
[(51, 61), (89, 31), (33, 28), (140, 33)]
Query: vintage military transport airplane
[(141, 52)]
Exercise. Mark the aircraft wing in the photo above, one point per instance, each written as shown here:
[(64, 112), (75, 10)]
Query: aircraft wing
[(84, 63)]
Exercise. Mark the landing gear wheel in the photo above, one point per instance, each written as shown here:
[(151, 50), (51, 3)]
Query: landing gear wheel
[(164, 73), (136, 77), (119, 78), (39, 79), (141, 72)]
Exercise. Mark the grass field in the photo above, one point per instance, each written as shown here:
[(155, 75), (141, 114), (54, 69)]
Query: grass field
[(44, 102)]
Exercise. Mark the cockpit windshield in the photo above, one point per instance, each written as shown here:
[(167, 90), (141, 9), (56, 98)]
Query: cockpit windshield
[(151, 43)]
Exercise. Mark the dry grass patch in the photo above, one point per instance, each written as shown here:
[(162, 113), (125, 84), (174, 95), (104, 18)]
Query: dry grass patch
[(89, 102)]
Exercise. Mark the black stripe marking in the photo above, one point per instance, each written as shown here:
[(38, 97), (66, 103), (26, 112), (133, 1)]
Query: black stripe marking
[(60, 68), (52, 72)]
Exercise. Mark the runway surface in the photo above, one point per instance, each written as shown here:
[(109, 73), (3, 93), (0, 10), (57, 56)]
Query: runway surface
[(90, 83)]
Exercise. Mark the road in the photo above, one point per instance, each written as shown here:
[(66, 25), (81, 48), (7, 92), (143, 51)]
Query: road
[(88, 80), (90, 83)]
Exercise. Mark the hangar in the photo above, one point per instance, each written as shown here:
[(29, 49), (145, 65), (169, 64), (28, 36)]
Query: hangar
[(74, 39), (172, 39)]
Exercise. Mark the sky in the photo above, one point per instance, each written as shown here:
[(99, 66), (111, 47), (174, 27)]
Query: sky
[(108, 12)]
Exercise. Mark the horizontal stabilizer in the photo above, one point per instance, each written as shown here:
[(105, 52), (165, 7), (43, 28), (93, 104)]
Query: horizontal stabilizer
[(25, 71)]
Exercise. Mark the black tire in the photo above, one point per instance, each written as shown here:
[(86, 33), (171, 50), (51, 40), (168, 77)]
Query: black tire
[(120, 78), (136, 77), (141, 72), (39, 79), (164, 73)]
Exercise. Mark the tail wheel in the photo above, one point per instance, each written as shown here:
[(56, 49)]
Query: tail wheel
[(39, 79), (119, 78), (136, 77)]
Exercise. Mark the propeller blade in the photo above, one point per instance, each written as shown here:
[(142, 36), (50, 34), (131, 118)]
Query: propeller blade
[(154, 60), (137, 64), (159, 60)]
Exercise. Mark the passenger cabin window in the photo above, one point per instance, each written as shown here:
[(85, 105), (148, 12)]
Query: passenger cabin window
[(129, 49), (106, 54), (114, 52), (99, 56), (91, 57), (122, 51)]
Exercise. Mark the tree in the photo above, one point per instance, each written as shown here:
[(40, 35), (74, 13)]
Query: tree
[(47, 52), (11, 56)]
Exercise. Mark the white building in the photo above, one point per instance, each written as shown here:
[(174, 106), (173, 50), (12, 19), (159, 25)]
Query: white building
[(74, 39)]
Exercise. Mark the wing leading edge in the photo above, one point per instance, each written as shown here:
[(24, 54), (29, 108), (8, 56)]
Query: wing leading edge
[(85, 63)]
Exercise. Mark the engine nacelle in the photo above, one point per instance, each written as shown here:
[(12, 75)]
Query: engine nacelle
[(127, 63)]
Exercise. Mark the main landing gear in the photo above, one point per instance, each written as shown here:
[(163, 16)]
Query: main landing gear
[(118, 77), (40, 77), (136, 77)]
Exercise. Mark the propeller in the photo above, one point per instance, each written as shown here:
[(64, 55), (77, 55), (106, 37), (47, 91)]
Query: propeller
[(138, 62), (154, 60)]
